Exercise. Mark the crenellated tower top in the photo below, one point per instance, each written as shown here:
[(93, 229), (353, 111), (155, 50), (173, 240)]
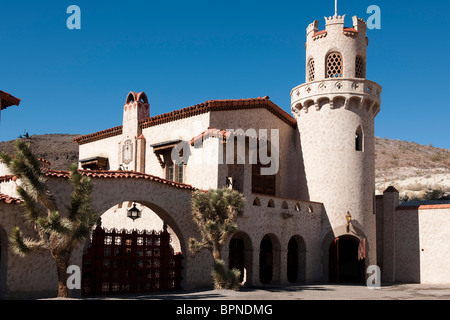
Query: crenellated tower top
[(336, 59)]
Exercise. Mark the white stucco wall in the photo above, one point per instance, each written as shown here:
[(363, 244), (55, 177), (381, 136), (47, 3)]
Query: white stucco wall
[(108, 148), (183, 129), (422, 245), (434, 226), (20, 277), (289, 175)]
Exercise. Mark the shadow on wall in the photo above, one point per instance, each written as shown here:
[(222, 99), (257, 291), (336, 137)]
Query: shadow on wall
[(407, 246), (300, 166)]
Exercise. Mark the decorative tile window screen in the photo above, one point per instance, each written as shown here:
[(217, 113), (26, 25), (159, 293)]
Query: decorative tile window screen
[(334, 65), (360, 67), (261, 183), (119, 262), (311, 70)]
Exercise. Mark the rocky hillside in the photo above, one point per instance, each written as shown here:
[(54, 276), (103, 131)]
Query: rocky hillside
[(412, 168), (59, 149)]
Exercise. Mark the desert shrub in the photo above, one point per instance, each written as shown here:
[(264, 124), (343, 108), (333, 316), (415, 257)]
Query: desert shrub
[(225, 279), (438, 157), (416, 187), (435, 194)]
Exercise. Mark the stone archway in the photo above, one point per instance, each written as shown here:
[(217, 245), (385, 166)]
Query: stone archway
[(241, 256), (127, 255), (269, 259), (345, 265), (168, 200), (329, 249), (296, 260)]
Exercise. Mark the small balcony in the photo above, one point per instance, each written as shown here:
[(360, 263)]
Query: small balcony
[(334, 89)]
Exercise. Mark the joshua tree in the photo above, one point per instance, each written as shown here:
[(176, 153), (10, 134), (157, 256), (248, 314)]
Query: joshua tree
[(54, 232), (216, 212)]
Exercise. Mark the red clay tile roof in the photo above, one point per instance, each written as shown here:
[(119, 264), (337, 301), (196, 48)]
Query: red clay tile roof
[(319, 33), (208, 106), (424, 207), (6, 178), (8, 100), (105, 174), (9, 200), (99, 135), (351, 30), (217, 133), (210, 133), (48, 163)]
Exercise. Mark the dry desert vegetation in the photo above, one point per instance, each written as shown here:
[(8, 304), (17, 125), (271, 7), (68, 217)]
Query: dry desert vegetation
[(418, 172)]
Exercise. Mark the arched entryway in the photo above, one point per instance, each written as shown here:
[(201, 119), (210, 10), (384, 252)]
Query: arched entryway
[(126, 255), (240, 255), (346, 265), (296, 260), (269, 259)]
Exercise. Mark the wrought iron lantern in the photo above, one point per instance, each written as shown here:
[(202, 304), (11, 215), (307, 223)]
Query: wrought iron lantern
[(348, 217), (134, 213)]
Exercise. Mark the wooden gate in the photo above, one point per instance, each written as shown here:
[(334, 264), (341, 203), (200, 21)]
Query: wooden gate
[(120, 262)]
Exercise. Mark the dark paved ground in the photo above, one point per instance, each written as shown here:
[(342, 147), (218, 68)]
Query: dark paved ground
[(304, 292)]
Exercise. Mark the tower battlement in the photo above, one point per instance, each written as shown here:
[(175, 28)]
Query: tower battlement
[(359, 25), (333, 20), (337, 51), (335, 25), (312, 27)]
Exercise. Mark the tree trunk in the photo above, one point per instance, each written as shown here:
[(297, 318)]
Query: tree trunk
[(62, 263), (216, 253)]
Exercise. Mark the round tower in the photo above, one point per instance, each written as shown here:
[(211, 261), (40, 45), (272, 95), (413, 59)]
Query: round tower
[(335, 110)]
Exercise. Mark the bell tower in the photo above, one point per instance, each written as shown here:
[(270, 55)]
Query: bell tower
[(335, 110)]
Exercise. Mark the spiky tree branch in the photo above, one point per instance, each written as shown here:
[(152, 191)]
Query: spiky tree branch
[(215, 212), (57, 233)]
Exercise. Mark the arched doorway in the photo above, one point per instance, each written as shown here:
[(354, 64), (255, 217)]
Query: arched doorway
[(345, 264), (127, 255), (266, 260), (296, 260), (240, 255), (292, 261)]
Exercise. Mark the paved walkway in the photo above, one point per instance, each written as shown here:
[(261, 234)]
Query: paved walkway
[(305, 292)]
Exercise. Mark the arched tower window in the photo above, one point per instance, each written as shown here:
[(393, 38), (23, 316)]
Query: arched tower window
[(143, 97), (311, 70), (359, 139), (360, 67), (334, 65), (130, 97)]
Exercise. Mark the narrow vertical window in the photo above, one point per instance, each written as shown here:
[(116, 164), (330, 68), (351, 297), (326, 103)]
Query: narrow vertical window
[(359, 139), (170, 171), (181, 173), (360, 67), (334, 65), (311, 70)]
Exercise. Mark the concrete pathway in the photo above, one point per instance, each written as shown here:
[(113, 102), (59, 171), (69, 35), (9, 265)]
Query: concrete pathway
[(304, 292)]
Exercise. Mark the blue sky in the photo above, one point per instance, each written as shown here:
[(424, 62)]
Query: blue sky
[(186, 52)]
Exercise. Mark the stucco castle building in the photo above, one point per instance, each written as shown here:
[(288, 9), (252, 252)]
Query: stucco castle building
[(315, 219)]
